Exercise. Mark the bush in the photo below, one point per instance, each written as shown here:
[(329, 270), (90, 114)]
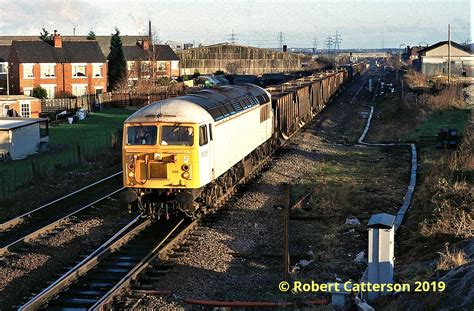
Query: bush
[(40, 93)]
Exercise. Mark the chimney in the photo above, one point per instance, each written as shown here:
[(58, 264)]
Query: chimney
[(58, 41), (145, 44)]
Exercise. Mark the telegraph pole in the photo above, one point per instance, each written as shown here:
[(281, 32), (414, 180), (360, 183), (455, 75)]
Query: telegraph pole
[(449, 53)]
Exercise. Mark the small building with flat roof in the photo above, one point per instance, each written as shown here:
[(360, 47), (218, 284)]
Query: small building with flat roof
[(20, 137), (19, 106)]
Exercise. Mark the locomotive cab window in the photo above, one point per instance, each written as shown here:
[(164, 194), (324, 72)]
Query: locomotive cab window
[(141, 135), (177, 135), (203, 139)]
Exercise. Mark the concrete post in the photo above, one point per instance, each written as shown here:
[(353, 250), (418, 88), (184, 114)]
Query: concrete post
[(381, 251)]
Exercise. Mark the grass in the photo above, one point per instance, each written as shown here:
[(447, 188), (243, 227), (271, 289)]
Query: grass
[(98, 124), (452, 118), (451, 259), (69, 144)]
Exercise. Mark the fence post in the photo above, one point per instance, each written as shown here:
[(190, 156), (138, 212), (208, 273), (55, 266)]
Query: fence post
[(79, 155)]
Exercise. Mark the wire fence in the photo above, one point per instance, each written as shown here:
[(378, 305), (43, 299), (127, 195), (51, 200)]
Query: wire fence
[(42, 165)]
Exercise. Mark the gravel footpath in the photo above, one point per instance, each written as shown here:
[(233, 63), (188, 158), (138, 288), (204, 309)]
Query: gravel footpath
[(44, 259)]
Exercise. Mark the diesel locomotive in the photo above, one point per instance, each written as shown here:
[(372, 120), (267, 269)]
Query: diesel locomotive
[(186, 153)]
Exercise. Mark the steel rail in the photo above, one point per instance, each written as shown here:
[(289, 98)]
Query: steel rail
[(159, 251), (15, 221), (86, 264), (54, 224)]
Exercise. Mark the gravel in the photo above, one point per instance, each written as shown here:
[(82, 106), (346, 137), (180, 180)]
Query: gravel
[(44, 259)]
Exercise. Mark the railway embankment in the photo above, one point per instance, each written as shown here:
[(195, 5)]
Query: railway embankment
[(436, 241)]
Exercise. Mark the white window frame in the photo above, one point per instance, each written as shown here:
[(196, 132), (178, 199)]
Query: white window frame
[(25, 109), (97, 68), (43, 66), (47, 87), (74, 72), (161, 64), (3, 67), (28, 65), (75, 86)]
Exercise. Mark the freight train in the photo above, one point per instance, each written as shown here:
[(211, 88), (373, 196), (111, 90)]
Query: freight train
[(185, 153)]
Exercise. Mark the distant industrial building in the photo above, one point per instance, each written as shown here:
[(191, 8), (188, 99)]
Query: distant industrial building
[(237, 59), (20, 137), (434, 59)]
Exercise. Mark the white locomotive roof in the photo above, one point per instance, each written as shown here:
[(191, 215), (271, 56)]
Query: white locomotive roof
[(204, 105)]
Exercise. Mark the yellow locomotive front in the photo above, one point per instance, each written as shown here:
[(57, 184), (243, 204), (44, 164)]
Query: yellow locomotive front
[(160, 164)]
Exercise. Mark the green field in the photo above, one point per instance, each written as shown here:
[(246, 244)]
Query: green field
[(68, 144), (453, 118)]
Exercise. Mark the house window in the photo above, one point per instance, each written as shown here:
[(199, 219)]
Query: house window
[(28, 91), (78, 70), (79, 89), (97, 70), (28, 71), (47, 70), (99, 90), (25, 110), (50, 89), (174, 65), (3, 68), (161, 65)]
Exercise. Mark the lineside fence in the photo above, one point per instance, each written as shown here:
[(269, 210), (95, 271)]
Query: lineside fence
[(98, 102)]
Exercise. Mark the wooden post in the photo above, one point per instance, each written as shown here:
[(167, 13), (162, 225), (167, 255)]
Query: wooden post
[(286, 234), (79, 155), (449, 53)]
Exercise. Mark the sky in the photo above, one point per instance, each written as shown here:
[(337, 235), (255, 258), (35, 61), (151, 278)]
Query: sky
[(303, 24)]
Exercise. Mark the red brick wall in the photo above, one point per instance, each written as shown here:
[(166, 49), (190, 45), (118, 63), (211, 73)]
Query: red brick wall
[(35, 107), (68, 79)]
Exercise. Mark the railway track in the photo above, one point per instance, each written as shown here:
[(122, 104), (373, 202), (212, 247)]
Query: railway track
[(95, 280), (47, 217)]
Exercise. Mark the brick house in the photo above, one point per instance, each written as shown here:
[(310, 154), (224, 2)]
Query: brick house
[(70, 67), (144, 60), (4, 50)]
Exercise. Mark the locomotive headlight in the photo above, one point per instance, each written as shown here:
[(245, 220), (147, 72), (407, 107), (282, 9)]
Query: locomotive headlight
[(185, 167), (186, 175), (131, 174), (157, 156)]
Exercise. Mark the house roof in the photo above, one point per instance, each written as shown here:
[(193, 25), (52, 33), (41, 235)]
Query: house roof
[(4, 51), (162, 52), (441, 43), (14, 123), (103, 41), (71, 52)]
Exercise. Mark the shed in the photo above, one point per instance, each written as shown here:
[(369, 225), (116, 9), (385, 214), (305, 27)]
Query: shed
[(434, 59), (24, 106), (20, 137)]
